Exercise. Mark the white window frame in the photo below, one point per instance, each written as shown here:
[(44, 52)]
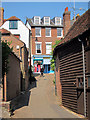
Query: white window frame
[(35, 18), (61, 32), (35, 31), (56, 20), (47, 23), (36, 47), (45, 32), (51, 46)]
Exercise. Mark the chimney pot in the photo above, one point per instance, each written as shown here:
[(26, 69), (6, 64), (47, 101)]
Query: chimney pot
[(66, 20), (66, 9)]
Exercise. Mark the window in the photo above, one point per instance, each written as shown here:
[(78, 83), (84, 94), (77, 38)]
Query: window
[(48, 32), (48, 48), (57, 20), (13, 25), (88, 81), (38, 48), (36, 20), (59, 32), (80, 82), (47, 20), (38, 32)]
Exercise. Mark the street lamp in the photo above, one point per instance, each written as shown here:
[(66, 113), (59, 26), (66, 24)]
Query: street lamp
[(83, 76)]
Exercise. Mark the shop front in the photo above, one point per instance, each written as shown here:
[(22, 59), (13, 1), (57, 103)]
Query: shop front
[(46, 64), (42, 60), (37, 65)]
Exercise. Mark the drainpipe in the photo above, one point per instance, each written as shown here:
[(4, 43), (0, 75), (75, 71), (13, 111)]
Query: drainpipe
[(84, 77)]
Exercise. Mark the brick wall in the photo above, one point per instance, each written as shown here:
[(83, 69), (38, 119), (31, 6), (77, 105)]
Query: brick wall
[(24, 64), (44, 39), (12, 79), (1, 15), (66, 21)]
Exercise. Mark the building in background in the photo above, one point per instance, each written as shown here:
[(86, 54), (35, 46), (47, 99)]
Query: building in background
[(44, 33), (17, 28)]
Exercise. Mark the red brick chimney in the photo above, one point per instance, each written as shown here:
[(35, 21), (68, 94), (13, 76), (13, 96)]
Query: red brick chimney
[(1, 15), (66, 20)]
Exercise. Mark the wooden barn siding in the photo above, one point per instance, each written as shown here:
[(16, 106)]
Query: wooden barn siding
[(71, 66)]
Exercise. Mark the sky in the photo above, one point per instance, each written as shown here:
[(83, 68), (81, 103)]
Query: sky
[(25, 10)]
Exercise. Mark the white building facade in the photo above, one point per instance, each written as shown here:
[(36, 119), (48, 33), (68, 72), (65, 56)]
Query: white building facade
[(18, 28)]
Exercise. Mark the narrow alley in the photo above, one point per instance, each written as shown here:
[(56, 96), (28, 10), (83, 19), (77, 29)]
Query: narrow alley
[(42, 102)]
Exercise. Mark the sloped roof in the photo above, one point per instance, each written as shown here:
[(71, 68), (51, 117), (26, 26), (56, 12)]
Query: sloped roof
[(30, 21), (4, 31), (81, 25), (13, 18)]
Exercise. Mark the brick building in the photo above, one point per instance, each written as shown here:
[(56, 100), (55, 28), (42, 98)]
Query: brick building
[(44, 33), (20, 50), (69, 67), (14, 30)]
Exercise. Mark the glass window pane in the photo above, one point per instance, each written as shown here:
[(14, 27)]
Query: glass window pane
[(48, 30), (59, 32), (47, 20), (37, 31), (88, 81), (48, 49), (36, 20), (38, 48), (13, 24)]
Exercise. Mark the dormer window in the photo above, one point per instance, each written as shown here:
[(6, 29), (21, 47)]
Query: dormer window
[(37, 20), (13, 24), (47, 20), (57, 21)]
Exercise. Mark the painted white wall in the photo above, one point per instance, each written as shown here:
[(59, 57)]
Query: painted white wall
[(22, 30), (27, 24)]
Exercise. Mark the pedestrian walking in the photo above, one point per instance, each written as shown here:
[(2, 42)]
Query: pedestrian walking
[(42, 70)]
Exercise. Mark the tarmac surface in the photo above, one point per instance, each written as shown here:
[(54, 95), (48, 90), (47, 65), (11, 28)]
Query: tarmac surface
[(41, 101)]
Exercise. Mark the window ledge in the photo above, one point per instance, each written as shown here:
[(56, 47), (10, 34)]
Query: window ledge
[(47, 36), (13, 28), (37, 36)]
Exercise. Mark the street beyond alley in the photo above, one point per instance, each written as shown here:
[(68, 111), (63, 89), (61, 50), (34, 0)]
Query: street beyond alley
[(42, 102)]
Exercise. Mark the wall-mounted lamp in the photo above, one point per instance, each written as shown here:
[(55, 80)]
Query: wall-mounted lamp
[(36, 39)]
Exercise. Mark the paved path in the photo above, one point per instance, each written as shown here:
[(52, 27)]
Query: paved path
[(42, 102)]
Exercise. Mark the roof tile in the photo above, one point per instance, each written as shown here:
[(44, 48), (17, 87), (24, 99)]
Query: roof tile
[(13, 18)]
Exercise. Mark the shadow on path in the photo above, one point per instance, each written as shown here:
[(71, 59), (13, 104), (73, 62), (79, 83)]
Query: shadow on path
[(21, 101)]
